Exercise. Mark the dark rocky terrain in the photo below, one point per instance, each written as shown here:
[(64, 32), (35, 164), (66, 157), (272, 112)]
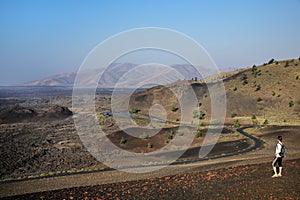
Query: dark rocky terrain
[(40, 139), (243, 182)]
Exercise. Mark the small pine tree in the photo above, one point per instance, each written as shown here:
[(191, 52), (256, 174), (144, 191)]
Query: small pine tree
[(135, 110), (170, 135), (233, 115), (271, 61), (245, 82), (244, 77), (286, 64), (236, 123), (202, 115), (258, 87), (259, 99), (198, 134), (122, 140), (199, 104), (174, 108)]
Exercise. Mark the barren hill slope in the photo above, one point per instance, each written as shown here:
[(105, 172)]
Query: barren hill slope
[(268, 93)]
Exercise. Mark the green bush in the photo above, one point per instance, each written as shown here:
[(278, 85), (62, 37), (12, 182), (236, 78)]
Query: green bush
[(286, 64), (174, 108), (259, 99), (271, 61), (291, 103), (244, 78), (202, 115), (123, 140), (273, 93), (149, 145), (236, 123), (198, 134), (170, 135), (255, 71), (233, 115), (199, 104), (245, 82), (258, 87), (135, 110), (266, 122)]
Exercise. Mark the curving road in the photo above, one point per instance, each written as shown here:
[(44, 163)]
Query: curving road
[(257, 145), (62, 181)]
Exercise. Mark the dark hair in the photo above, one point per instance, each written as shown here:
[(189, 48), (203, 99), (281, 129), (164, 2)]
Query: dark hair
[(279, 138)]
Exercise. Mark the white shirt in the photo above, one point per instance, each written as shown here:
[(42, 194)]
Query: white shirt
[(278, 149)]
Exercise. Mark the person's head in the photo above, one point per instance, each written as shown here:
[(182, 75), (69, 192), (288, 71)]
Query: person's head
[(279, 138)]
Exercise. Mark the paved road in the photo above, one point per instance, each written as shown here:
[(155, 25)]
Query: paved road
[(104, 177)]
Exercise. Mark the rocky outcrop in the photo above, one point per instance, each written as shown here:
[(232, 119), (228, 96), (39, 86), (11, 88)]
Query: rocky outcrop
[(16, 114)]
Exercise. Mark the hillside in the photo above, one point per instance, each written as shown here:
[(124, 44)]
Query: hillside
[(268, 93)]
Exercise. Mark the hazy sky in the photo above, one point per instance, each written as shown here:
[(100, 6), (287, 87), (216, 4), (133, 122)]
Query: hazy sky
[(44, 37)]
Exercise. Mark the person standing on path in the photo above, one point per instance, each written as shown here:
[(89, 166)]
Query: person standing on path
[(279, 154)]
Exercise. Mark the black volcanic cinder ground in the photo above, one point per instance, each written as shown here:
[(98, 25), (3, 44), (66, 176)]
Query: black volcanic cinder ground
[(243, 182)]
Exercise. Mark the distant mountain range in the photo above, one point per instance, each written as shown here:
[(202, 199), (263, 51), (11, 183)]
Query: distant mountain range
[(64, 79), (114, 74)]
